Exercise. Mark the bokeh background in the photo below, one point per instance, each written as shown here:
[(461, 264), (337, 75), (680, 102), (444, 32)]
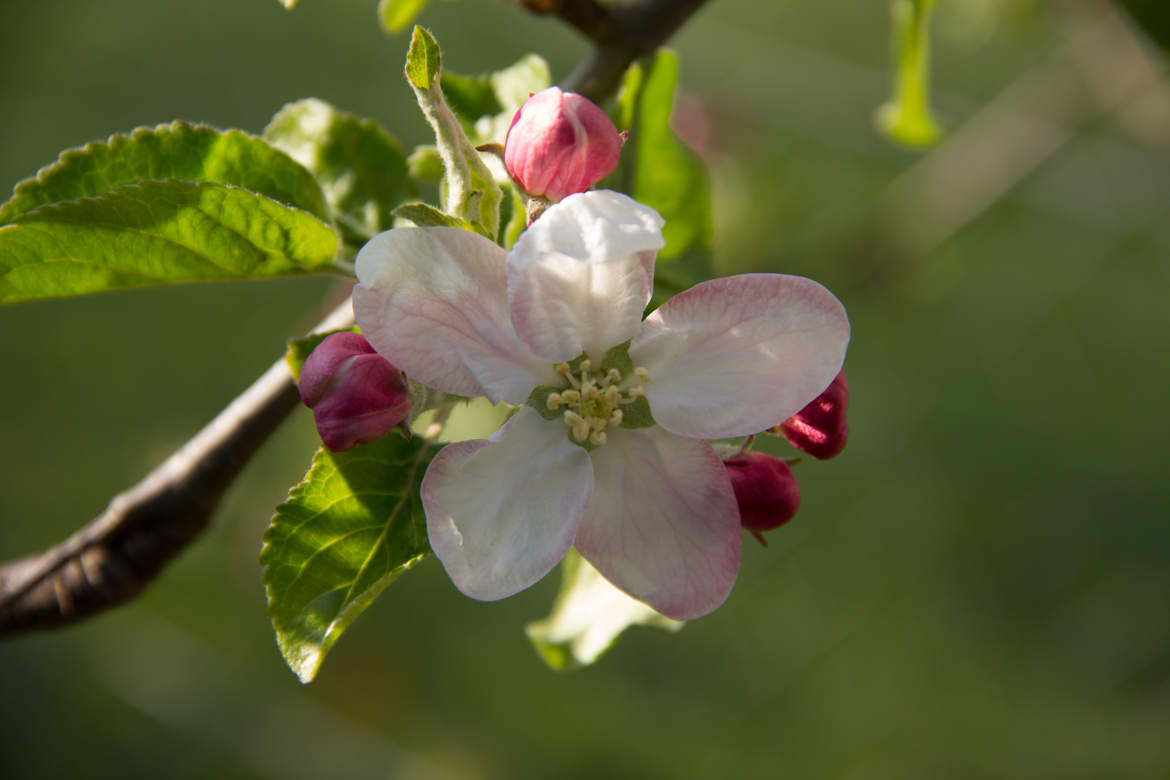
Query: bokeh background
[(978, 587)]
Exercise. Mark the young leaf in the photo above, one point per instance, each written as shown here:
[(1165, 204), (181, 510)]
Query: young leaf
[(174, 151), (588, 616), (346, 532), (656, 168), (470, 191), (426, 215), (157, 232), (423, 59), (485, 104), (396, 15), (359, 165)]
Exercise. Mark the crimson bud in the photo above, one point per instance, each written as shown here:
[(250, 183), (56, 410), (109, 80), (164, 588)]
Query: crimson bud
[(356, 395), (765, 490), (820, 428)]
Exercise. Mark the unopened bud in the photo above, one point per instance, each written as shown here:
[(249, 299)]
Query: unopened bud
[(560, 143), (356, 395), (820, 428), (765, 490)]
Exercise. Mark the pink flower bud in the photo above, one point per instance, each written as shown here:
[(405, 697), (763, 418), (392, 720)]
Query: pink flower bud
[(765, 490), (560, 143), (820, 428), (356, 395)]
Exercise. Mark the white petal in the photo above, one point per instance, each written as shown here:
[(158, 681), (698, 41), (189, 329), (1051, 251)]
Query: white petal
[(433, 302), (590, 614), (663, 524), (579, 278), (734, 356), (502, 512)]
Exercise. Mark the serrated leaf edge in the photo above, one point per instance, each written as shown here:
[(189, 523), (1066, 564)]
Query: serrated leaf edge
[(307, 670), (137, 134)]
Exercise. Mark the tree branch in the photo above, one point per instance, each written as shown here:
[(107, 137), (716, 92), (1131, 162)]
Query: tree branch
[(119, 552), (621, 34)]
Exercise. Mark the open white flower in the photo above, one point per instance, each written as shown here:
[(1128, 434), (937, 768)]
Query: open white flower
[(650, 507)]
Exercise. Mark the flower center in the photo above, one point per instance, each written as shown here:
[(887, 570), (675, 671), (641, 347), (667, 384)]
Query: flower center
[(593, 400)]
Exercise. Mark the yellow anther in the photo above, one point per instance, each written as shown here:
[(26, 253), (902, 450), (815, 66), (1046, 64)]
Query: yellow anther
[(598, 423), (616, 417), (578, 424), (553, 401), (615, 376), (589, 392), (642, 374), (562, 368), (597, 438), (612, 394), (571, 396), (636, 391), (586, 365)]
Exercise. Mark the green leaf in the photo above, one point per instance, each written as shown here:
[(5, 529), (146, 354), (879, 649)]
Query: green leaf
[(423, 59), (396, 15), (513, 216), (174, 151), (470, 97), (657, 168), (469, 189), (485, 104), (588, 616), (346, 532), (360, 166), (157, 232), (426, 215), (425, 164)]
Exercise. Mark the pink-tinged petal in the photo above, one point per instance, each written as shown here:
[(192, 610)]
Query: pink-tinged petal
[(433, 302), (732, 356), (663, 524), (502, 512), (580, 277)]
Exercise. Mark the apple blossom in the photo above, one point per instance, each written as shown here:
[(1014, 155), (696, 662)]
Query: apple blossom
[(607, 452), (355, 394)]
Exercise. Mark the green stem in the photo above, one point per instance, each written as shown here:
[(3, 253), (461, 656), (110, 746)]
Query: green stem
[(908, 117)]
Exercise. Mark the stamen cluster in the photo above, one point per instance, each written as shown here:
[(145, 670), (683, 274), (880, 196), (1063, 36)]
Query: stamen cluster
[(593, 399)]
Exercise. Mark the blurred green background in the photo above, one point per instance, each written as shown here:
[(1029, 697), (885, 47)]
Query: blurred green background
[(978, 587)]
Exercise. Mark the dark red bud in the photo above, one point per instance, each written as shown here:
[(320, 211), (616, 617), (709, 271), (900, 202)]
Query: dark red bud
[(765, 490), (356, 395), (820, 428)]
